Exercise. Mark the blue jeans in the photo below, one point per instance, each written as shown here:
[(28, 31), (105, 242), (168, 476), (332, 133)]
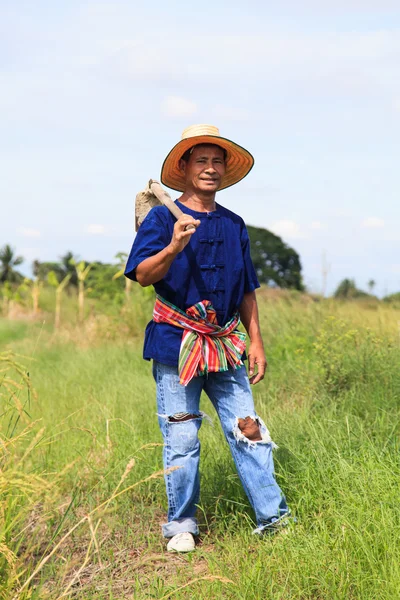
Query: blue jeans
[(231, 396)]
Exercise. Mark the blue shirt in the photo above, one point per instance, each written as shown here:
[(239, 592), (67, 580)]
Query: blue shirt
[(215, 265)]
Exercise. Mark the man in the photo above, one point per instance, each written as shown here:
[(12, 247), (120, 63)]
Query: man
[(201, 269)]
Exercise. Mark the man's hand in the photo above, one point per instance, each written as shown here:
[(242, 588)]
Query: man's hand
[(256, 357), (181, 235), (156, 267)]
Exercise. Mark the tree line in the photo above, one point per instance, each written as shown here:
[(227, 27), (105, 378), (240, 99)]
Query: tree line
[(101, 279), (276, 264)]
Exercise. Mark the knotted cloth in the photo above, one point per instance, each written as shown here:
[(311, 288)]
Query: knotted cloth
[(206, 347)]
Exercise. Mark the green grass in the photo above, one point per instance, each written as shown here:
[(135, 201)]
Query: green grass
[(331, 401)]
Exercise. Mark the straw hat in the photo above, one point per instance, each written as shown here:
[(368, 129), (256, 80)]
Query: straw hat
[(238, 160)]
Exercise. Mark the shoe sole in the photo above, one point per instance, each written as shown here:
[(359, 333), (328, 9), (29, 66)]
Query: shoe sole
[(180, 551)]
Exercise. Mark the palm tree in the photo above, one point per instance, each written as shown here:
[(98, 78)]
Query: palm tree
[(8, 262), (82, 270), (52, 280)]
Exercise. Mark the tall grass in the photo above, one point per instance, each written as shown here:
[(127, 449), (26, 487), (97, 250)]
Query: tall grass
[(33, 502), (331, 400)]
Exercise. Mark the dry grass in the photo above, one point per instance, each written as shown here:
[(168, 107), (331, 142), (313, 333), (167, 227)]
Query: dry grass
[(28, 500)]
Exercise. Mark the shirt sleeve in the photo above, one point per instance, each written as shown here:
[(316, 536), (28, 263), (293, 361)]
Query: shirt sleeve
[(150, 239), (251, 282)]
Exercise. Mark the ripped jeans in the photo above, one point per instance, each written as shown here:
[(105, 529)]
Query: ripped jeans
[(248, 438)]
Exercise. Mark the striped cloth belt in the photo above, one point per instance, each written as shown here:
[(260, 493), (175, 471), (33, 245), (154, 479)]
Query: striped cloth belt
[(205, 347)]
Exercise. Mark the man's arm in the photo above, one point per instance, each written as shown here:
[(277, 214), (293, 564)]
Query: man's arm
[(155, 267), (249, 316)]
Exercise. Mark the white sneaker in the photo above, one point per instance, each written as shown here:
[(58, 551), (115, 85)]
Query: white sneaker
[(181, 542)]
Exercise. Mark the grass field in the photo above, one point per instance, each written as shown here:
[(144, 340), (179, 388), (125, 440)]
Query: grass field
[(81, 483)]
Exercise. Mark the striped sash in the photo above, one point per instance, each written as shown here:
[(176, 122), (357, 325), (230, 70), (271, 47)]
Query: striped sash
[(205, 347)]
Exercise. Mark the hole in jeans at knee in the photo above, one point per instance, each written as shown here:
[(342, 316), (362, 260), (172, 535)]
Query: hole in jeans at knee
[(250, 428), (252, 431), (179, 417)]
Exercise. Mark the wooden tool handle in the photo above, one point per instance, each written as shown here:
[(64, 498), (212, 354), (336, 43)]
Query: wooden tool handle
[(166, 199)]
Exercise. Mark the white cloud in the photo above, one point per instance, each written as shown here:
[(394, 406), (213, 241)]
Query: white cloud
[(28, 232), (287, 229), (316, 225), (95, 229), (176, 106), (318, 64), (373, 223)]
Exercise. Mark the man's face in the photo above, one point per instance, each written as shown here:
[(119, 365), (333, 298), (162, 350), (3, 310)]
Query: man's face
[(205, 169)]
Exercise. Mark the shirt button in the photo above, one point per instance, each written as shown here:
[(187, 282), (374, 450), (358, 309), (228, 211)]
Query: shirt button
[(211, 240)]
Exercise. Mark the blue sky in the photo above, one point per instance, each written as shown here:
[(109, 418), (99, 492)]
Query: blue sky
[(94, 94)]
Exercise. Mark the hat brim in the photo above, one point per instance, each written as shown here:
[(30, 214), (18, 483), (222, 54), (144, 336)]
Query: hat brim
[(239, 161)]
